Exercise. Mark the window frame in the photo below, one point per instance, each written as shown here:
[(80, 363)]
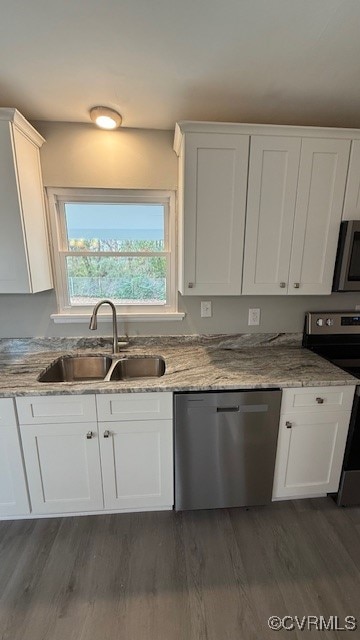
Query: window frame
[(58, 197)]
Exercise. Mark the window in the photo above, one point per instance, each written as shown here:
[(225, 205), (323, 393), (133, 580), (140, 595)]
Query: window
[(113, 244)]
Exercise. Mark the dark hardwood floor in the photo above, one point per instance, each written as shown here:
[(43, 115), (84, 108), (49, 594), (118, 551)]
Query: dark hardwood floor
[(214, 575)]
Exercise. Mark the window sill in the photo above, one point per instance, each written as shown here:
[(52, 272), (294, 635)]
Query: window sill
[(72, 318)]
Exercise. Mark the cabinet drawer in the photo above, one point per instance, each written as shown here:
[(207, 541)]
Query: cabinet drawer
[(56, 409), (134, 406), (321, 398), (7, 412)]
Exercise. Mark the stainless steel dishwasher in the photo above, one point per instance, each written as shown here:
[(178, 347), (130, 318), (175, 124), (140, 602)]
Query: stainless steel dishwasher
[(225, 448)]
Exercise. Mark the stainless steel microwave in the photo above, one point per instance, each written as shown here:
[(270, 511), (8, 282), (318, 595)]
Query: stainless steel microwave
[(347, 265)]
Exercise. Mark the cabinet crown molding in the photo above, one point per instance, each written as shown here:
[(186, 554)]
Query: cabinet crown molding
[(194, 126), (11, 114)]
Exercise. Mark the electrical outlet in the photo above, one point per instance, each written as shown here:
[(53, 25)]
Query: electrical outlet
[(206, 311), (254, 317)]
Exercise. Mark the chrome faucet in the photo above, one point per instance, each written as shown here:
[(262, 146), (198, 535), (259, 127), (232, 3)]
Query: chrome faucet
[(93, 322)]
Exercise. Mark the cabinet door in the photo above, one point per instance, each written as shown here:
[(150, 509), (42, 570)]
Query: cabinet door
[(13, 492), (321, 188), (63, 467), (213, 183), (273, 174), (14, 275), (137, 464), (352, 195), (24, 252), (33, 211), (310, 453)]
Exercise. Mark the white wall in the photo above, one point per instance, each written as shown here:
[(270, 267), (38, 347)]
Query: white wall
[(78, 155), (81, 155), (28, 315)]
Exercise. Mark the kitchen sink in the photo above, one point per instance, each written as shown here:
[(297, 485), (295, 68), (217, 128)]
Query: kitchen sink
[(137, 367), (77, 369), (102, 368)]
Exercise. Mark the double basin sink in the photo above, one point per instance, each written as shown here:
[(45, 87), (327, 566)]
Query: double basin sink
[(91, 368)]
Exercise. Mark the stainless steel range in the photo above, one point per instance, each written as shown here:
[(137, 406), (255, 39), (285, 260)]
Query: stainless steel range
[(335, 335)]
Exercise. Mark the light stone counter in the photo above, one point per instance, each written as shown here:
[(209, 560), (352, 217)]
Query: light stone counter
[(193, 363)]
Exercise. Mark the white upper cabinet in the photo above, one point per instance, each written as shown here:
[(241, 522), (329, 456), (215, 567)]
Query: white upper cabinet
[(273, 175), (286, 189), (295, 198), (24, 252), (352, 196), (320, 197), (212, 201)]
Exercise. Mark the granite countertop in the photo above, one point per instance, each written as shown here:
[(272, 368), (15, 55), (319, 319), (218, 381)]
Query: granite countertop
[(193, 363)]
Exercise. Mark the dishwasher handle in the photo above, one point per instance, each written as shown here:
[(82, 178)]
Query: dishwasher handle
[(245, 408)]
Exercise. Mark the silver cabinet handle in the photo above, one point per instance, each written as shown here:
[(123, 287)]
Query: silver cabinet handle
[(320, 400), (89, 435), (191, 285), (288, 424), (282, 285), (107, 434), (296, 285)]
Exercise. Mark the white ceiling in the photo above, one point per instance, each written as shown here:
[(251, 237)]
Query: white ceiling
[(159, 61)]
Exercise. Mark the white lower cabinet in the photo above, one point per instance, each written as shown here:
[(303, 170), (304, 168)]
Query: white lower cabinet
[(137, 464), (313, 429), (76, 464), (63, 467), (136, 444), (14, 499)]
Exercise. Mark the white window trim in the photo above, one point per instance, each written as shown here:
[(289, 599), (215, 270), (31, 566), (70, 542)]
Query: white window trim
[(56, 231)]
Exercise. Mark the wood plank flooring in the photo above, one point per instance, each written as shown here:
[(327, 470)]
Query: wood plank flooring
[(200, 575)]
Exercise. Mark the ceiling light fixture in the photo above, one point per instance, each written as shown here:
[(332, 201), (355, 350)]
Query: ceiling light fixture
[(105, 118)]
